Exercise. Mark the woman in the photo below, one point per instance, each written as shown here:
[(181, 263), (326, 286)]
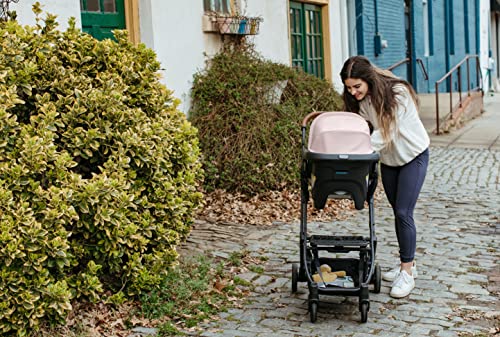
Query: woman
[(389, 104)]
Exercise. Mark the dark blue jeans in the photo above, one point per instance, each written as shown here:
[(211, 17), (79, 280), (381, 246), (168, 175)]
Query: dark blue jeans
[(402, 185)]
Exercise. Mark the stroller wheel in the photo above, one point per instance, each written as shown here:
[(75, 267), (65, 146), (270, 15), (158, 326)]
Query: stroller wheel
[(313, 311), (364, 311), (295, 277), (377, 279)]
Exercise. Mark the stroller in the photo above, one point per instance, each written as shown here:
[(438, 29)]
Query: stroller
[(338, 163)]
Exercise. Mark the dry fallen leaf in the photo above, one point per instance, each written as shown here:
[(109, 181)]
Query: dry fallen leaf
[(219, 285), (268, 208)]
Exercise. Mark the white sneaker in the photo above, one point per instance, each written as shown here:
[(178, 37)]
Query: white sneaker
[(403, 285), (393, 274)]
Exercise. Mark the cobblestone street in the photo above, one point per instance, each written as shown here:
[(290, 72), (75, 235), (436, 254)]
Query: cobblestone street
[(457, 254)]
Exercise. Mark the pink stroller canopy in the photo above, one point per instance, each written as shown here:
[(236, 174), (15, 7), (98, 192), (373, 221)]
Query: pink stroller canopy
[(339, 133)]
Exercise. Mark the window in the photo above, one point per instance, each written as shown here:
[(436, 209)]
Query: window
[(219, 6), (108, 6), (307, 38)]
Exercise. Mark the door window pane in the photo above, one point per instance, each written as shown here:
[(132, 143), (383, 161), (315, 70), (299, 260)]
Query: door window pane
[(109, 6), (93, 6)]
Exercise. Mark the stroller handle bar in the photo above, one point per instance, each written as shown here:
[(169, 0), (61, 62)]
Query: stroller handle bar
[(310, 116), (306, 120)]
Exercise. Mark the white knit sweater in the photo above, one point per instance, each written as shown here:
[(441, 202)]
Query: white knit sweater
[(408, 136)]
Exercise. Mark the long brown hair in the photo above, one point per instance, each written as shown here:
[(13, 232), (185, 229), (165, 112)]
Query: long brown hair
[(380, 88)]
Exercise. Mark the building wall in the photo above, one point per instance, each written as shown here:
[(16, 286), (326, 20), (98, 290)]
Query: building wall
[(273, 41), (183, 48), (339, 39), (390, 22), (450, 33), (435, 62), (63, 9), (449, 27), (459, 36), (419, 36), (174, 30)]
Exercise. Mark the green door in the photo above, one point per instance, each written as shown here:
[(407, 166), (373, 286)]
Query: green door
[(100, 17), (307, 38)]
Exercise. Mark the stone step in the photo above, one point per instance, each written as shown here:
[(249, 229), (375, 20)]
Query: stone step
[(448, 105)]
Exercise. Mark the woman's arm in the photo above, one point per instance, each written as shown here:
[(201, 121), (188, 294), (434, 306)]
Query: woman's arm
[(404, 99), (377, 141)]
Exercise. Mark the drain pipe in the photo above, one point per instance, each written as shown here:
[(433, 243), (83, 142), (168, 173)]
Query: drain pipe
[(377, 43), (411, 45), (447, 37)]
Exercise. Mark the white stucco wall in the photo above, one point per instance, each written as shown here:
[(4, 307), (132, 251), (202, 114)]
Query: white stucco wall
[(63, 9), (339, 35), (273, 41), (174, 31)]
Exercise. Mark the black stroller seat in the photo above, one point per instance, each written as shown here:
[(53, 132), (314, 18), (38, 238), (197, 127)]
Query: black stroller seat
[(340, 178)]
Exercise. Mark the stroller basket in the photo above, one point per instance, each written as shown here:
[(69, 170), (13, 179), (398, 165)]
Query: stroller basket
[(338, 162)]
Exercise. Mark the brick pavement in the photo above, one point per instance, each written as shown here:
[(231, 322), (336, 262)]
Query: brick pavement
[(457, 254)]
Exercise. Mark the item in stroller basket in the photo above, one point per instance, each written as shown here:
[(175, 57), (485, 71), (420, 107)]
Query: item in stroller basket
[(325, 268), (324, 277), (327, 275), (342, 282)]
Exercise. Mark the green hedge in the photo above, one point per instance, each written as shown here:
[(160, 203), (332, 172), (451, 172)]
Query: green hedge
[(99, 171), (250, 130)]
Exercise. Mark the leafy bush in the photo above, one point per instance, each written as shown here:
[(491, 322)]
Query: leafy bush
[(250, 130), (98, 171)]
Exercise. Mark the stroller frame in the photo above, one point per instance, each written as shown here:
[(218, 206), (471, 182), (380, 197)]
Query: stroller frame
[(364, 271)]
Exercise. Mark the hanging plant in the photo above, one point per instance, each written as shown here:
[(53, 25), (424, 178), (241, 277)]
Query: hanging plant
[(238, 24)]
